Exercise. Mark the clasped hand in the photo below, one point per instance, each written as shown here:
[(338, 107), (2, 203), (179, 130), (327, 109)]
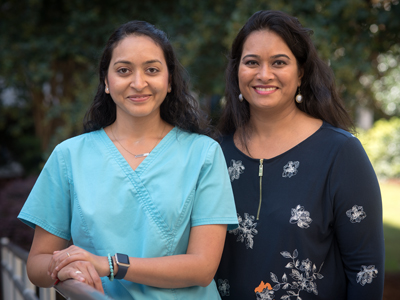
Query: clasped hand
[(76, 263)]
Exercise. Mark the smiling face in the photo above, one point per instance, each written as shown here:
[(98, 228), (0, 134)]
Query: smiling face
[(137, 78), (268, 72)]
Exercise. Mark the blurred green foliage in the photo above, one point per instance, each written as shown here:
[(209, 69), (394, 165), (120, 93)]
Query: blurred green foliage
[(49, 51), (382, 144), (387, 88)]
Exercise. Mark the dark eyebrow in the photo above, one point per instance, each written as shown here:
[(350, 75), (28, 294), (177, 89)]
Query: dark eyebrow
[(273, 57), (122, 62), (145, 63), (251, 55), (280, 55), (152, 62)]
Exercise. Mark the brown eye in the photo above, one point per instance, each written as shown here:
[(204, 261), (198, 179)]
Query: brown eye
[(251, 63), (123, 70), (152, 70), (279, 63)]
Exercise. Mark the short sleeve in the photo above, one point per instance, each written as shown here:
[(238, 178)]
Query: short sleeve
[(49, 205), (358, 224), (214, 203)]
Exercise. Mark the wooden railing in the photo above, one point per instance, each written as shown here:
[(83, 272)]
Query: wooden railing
[(16, 285)]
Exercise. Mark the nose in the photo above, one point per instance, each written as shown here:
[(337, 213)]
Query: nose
[(138, 81), (265, 73)]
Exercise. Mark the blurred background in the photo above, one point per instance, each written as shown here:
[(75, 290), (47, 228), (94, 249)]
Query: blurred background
[(49, 51)]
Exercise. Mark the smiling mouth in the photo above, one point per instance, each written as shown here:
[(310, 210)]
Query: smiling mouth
[(268, 89), (138, 98), (265, 90)]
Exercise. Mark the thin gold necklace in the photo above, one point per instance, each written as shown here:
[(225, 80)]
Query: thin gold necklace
[(142, 154)]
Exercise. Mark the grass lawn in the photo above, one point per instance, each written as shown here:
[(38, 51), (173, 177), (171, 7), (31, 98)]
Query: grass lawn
[(391, 219)]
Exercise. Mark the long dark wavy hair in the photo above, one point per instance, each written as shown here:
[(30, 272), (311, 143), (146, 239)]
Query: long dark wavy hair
[(321, 99), (179, 107)]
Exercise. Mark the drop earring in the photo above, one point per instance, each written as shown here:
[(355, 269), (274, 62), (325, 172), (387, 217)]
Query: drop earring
[(240, 97), (299, 97), (106, 89)]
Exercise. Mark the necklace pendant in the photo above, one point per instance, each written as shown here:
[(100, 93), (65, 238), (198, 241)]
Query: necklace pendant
[(141, 155)]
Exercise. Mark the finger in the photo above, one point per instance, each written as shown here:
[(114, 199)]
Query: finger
[(89, 279), (84, 272), (78, 275), (61, 260), (81, 269), (58, 255), (96, 279), (67, 273), (53, 262), (64, 259)]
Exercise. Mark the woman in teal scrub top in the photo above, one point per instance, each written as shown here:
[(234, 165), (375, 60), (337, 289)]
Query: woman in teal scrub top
[(144, 196)]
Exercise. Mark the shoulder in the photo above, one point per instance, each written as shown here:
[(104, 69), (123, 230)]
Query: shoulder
[(336, 133), (346, 149), (195, 139), (226, 142), (337, 138), (79, 143), (229, 148), (197, 147), (80, 139)]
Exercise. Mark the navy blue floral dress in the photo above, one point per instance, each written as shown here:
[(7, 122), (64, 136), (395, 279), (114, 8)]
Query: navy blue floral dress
[(310, 223)]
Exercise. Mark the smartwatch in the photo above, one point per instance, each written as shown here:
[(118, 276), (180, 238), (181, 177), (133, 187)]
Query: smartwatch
[(122, 261)]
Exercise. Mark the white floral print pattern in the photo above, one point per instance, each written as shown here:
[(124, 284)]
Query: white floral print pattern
[(304, 273), (246, 230), (266, 294), (300, 217), (235, 169), (356, 214), (224, 287), (290, 169), (366, 274)]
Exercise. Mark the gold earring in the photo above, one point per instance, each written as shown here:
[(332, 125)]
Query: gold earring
[(299, 97)]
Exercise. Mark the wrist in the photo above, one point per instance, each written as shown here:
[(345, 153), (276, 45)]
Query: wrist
[(105, 268)]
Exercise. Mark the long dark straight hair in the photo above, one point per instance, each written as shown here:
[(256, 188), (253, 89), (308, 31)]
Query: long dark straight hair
[(317, 85), (179, 107)]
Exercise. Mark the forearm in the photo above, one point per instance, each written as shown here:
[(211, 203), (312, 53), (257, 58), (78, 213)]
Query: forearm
[(176, 271), (195, 268)]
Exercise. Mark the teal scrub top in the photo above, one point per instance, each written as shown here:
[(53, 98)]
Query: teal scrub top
[(88, 192)]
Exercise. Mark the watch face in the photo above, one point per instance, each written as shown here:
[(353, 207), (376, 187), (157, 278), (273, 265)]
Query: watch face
[(122, 258)]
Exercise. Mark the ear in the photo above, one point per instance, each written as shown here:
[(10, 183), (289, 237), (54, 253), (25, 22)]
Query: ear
[(107, 89), (169, 84), (301, 73)]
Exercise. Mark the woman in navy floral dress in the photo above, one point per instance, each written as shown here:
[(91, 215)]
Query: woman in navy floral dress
[(308, 200)]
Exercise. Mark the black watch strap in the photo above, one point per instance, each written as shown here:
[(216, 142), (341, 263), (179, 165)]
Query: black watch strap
[(122, 261)]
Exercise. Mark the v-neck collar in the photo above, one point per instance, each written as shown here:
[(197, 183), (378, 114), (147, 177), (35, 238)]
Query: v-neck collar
[(147, 160)]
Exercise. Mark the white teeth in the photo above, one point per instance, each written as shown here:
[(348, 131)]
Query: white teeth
[(265, 89)]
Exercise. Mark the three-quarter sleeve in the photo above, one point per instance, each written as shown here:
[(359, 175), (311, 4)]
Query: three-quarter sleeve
[(49, 204), (214, 203), (358, 227)]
